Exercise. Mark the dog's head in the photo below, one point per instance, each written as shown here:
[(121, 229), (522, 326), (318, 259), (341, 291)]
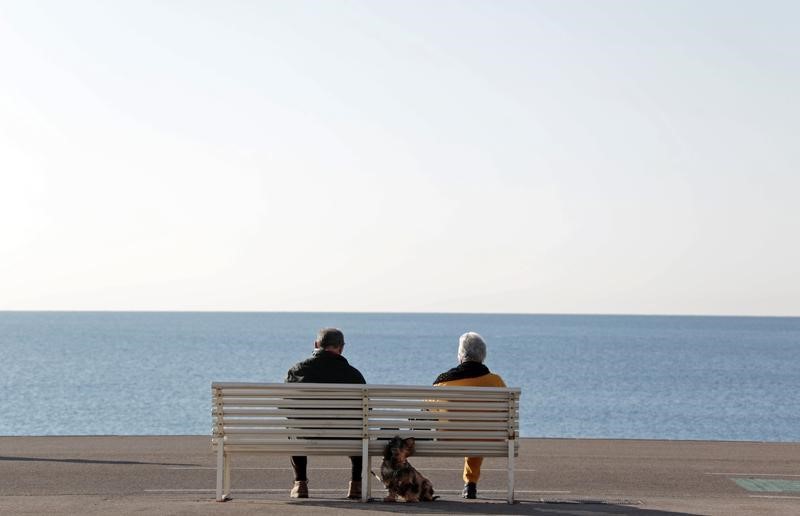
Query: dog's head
[(399, 449)]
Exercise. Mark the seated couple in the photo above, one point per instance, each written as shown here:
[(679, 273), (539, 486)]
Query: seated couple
[(327, 365)]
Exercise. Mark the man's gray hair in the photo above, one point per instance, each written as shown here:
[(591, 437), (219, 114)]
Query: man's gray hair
[(471, 348)]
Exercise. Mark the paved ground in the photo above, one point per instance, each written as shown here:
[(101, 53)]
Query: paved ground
[(175, 475)]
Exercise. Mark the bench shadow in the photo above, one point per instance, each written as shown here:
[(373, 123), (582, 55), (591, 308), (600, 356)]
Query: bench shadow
[(90, 461), (522, 507)]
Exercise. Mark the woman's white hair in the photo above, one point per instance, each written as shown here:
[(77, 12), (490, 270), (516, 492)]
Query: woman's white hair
[(471, 348)]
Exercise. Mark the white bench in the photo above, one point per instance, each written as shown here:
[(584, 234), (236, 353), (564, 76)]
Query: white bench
[(351, 419)]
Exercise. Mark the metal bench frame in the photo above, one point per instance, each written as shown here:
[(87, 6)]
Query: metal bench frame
[(353, 419)]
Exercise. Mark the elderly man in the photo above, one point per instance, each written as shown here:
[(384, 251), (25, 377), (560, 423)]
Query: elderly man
[(470, 372), (326, 365)]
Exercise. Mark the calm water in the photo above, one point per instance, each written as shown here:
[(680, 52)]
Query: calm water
[(731, 378)]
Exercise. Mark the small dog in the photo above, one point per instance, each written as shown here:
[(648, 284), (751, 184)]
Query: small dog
[(404, 483)]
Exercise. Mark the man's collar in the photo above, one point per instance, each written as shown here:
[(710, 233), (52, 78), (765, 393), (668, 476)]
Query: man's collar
[(325, 352)]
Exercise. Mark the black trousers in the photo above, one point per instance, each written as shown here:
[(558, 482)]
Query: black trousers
[(300, 467)]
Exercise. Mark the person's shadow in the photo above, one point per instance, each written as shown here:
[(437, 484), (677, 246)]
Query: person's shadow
[(88, 461), (556, 508)]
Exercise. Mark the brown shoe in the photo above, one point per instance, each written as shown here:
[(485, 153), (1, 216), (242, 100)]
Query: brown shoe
[(300, 489), (354, 490)]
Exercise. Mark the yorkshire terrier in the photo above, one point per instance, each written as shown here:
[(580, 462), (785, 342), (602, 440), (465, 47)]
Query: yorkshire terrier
[(404, 483)]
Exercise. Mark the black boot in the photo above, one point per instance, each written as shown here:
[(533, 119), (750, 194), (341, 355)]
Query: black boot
[(470, 490)]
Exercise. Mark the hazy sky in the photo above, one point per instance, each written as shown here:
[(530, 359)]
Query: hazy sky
[(495, 156)]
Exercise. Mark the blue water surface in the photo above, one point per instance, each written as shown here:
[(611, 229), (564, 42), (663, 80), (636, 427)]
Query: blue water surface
[(661, 377)]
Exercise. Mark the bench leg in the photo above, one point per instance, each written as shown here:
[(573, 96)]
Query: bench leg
[(223, 474), (220, 467), (226, 481), (365, 475), (511, 471)]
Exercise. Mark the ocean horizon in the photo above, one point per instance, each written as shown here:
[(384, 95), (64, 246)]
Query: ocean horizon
[(715, 377)]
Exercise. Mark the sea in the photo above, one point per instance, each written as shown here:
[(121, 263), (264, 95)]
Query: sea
[(582, 376)]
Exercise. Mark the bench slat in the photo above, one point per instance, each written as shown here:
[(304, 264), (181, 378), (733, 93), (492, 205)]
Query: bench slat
[(441, 404), (424, 414), (230, 422), (451, 434), (400, 425), (436, 449), (294, 432), (325, 413), (357, 404), (456, 425), (356, 413), (287, 403), (290, 392), (291, 423), (499, 396), (376, 389)]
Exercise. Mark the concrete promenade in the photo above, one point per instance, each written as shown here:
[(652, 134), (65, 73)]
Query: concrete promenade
[(175, 475)]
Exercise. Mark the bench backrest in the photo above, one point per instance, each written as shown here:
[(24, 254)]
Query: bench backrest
[(332, 419)]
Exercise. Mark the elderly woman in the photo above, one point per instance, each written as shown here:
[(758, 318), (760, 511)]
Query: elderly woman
[(470, 372)]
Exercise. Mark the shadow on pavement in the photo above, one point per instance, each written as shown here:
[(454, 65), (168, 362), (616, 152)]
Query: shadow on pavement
[(563, 507), (89, 461)]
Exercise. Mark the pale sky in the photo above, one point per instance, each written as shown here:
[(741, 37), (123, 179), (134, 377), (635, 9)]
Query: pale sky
[(493, 156)]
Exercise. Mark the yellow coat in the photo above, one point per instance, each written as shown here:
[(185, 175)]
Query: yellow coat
[(472, 465), (487, 380)]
